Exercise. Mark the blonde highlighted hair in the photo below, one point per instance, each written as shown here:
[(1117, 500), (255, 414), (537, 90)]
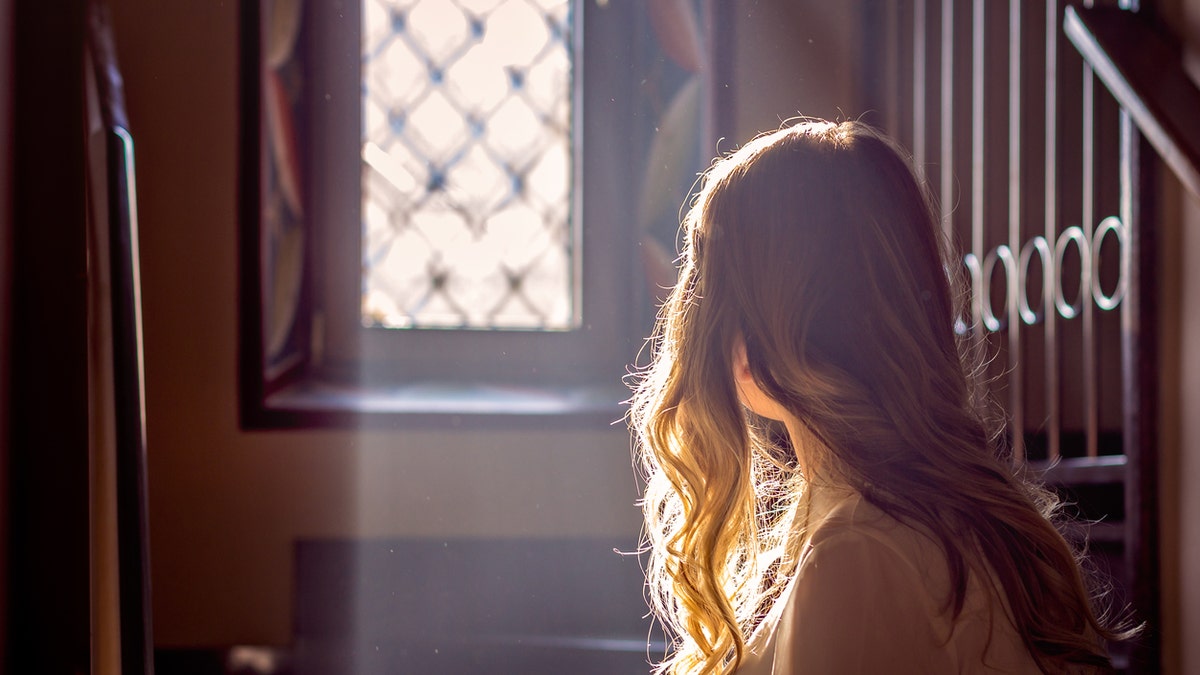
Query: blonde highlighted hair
[(818, 247)]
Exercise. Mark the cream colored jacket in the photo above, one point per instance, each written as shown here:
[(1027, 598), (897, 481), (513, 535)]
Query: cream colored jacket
[(871, 595)]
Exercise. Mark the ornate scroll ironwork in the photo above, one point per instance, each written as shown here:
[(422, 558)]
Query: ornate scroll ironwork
[(1052, 264)]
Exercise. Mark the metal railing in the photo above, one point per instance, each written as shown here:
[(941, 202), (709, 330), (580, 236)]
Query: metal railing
[(1043, 179)]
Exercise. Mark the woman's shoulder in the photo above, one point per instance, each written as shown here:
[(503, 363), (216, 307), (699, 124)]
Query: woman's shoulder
[(860, 602), (845, 519), (854, 540), (872, 591)]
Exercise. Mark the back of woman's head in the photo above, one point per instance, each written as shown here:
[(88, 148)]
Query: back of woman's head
[(817, 248)]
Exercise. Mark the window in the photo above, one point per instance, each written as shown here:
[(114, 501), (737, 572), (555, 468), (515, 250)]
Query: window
[(467, 165), (439, 221)]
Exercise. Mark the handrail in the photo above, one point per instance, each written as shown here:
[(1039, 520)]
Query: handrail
[(119, 225), (1144, 71)]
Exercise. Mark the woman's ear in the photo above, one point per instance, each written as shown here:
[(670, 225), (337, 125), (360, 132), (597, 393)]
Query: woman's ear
[(741, 362), (749, 392)]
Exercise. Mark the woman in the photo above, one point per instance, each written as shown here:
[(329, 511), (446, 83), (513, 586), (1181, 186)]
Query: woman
[(823, 493)]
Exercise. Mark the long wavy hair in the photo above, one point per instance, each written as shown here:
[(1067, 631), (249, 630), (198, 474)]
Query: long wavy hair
[(819, 248)]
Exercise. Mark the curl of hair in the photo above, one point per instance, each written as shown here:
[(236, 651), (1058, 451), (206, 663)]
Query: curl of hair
[(818, 246)]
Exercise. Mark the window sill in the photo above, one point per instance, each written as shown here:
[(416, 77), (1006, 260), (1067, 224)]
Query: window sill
[(313, 403)]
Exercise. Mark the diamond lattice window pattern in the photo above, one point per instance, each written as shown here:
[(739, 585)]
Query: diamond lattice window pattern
[(467, 165)]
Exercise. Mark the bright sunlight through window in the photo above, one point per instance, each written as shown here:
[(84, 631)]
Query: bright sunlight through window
[(467, 165)]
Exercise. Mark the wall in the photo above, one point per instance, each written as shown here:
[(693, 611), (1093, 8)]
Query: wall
[(226, 505), (794, 58), (1188, 475), (1181, 390), (1181, 444)]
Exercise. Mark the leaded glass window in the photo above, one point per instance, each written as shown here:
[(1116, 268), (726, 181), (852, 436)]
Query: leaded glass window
[(467, 165)]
